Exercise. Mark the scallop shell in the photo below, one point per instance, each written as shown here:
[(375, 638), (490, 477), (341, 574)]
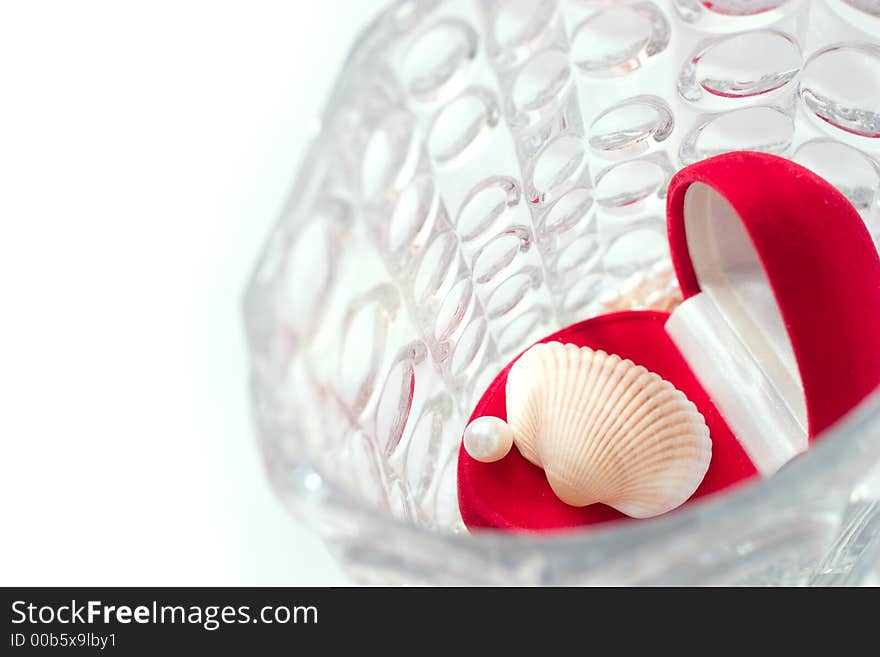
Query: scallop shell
[(606, 430)]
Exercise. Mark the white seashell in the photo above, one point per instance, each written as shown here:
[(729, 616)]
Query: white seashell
[(606, 430)]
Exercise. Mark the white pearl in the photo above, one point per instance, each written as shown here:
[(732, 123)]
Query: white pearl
[(488, 439)]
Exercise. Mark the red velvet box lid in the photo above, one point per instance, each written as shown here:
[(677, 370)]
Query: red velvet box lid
[(819, 260), (823, 272)]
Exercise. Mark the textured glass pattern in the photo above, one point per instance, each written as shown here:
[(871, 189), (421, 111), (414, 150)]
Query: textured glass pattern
[(489, 171)]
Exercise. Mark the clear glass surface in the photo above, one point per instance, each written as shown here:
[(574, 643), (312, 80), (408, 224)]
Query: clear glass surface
[(488, 172)]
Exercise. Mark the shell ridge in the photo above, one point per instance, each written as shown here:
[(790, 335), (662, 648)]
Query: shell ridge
[(595, 364), (661, 431), (547, 426), (654, 425), (523, 409), (598, 433), (602, 391), (576, 378), (576, 425), (634, 426), (616, 415), (668, 461), (580, 461)]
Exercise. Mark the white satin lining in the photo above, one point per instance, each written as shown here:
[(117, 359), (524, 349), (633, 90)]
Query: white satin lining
[(733, 337)]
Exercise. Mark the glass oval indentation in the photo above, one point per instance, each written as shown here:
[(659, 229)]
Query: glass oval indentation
[(498, 254), (485, 205), (635, 251), (740, 66), (631, 127), (453, 309), (395, 404), (619, 39), (518, 23), (389, 155), (870, 7), (840, 86), (468, 346), (628, 183), (437, 56), (508, 295), (764, 129), (363, 343), (567, 212), (583, 253), (307, 264), (518, 332), (411, 212), (306, 272), (742, 7), (460, 123), (854, 173), (728, 16), (435, 266), (421, 463), (541, 83), (585, 291), (406, 15), (556, 167)]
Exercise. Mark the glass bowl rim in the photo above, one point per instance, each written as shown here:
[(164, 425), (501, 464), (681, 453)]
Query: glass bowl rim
[(838, 444)]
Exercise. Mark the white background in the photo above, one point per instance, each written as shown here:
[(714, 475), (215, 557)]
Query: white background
[(145, 150)]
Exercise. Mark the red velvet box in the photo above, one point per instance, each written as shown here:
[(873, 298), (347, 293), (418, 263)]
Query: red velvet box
[(777, 338)]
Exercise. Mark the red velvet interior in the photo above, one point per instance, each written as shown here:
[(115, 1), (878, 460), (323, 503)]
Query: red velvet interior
[(514, 494)]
